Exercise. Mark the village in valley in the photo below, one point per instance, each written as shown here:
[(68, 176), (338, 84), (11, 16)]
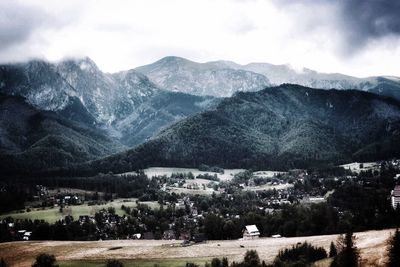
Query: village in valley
[(195, 205)]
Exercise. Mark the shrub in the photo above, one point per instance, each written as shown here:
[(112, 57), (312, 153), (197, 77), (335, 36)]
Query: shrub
[(3, 263), (301, 254), (114, 263), (45, 260)]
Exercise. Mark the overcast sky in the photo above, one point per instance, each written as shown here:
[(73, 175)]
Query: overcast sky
[(356, 37)]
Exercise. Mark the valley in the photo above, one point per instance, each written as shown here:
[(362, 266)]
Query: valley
[(175, 171), (176, 133)]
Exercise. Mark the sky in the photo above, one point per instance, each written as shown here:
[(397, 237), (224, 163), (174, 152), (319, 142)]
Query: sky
[(355, 37)]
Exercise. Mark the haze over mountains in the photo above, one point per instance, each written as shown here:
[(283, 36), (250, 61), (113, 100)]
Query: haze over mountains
[(86, 114)]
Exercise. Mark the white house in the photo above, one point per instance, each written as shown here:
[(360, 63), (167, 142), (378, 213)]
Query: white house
[(396, 196), (27, 236), (250, 232)]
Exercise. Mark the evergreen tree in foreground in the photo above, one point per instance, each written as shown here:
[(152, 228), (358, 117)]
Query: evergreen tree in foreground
[(394, 250), (348, 255), (332, 250)]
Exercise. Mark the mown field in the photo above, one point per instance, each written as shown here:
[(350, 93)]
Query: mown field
[(136, 263), (166, 253), (168, 171), (51, 215)]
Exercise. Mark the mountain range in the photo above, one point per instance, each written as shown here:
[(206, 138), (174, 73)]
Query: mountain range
[(79, 91), (223, 78), (183, 112)]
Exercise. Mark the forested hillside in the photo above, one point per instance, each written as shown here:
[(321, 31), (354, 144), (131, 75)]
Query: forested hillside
[(277, 128)]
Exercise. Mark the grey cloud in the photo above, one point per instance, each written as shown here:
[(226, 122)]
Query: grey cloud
[(359, 21), (17, 22), (367, 20), (245, 27)]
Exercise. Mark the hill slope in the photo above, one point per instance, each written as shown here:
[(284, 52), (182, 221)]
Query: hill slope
[(159, 112), (279, 127), (32, 140)]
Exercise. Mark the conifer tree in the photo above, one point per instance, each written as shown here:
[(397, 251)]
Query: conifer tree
[(348, 255), (332, 250), (394, 250)]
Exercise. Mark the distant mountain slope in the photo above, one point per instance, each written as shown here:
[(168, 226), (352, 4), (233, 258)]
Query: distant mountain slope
[(279, 127), (160, 111), (224, 78), (109, 97), (182, 75), (37, 81), (278, 74), (32, 140)]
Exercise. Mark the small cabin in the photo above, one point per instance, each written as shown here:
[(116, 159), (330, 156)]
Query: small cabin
[(251, 232), (395, 197)]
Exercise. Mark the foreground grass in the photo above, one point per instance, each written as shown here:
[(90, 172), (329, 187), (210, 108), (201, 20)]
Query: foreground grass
[(52, 215), (161, 262), (137, 262), (322, 263)]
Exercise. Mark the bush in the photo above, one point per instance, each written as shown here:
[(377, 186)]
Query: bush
[(301, 254), (45, 260), (251, 259), (114, 263)]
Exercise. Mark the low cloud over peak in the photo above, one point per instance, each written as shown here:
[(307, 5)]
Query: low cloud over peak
[(356, 37)]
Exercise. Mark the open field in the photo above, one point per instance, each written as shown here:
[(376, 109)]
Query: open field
[(52, 215), (71, 191), (199, 191), (147, 252), (267, 174), (355, 166), (160, 171), (135, 263), (268, 187), (179, 190)]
